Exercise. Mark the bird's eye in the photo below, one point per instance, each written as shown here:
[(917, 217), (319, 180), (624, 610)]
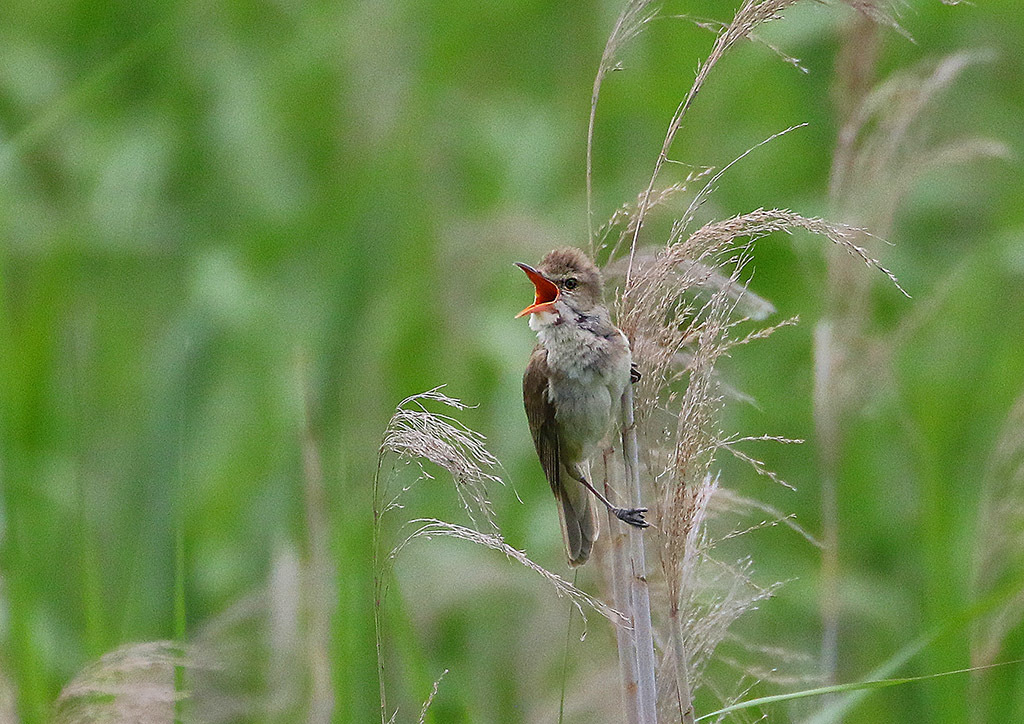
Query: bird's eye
[(570, 283)]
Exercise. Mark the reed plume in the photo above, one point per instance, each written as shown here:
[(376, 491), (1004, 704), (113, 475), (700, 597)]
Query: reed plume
[(679, 304), (419, 435), (884, 145), (999, 546)]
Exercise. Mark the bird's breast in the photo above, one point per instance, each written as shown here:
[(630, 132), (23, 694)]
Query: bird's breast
[(588, 376), (585, 357)]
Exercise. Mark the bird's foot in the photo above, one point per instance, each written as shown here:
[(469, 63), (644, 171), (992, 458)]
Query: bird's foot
[(633, 516)]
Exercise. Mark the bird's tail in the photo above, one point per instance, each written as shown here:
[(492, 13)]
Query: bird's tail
[(578, 515)]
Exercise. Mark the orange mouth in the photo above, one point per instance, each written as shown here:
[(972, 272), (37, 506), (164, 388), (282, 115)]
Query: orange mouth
[(546, 292)]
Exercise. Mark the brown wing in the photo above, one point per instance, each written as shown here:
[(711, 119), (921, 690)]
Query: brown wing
[(575, 510), (541, 415)]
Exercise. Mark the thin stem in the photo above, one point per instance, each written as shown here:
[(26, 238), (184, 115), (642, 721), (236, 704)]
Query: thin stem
[(632, 18), (623, 602), (565, 656), (642, 634), (826, 423), (320, 576), (845, 301), (180, 686), (590, 153), (378, 591), (180, 621), (682, 668), (747, 17)]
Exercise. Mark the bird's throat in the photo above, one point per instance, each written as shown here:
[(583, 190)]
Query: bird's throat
[(543, 320)]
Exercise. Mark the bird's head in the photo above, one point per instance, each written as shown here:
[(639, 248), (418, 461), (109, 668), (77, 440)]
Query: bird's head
[(566, 282)]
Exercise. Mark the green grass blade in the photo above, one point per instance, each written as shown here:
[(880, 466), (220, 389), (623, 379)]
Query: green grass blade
[(95, 82), (837, 709), (840, 688)]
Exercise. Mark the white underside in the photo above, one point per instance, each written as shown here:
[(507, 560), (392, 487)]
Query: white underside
[(592, 375)]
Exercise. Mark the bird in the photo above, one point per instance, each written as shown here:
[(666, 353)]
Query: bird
[(573, 383)]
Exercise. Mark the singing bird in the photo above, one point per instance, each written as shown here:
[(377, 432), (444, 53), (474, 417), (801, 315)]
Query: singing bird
[(572, 389)]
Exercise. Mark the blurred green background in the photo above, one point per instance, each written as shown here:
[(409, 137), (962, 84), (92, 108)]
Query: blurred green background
[(212, 212)]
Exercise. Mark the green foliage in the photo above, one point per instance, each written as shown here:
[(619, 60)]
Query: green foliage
[(204, 202)]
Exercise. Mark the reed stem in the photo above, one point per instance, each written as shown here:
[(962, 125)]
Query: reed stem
[(622, 600), (642, 635)]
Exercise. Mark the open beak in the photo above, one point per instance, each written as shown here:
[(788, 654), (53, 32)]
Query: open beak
[(546, 292)]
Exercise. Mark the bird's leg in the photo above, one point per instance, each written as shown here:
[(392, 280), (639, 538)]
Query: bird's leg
[(633, 516)]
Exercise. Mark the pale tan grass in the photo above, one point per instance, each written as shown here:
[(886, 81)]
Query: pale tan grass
[(682, 306), (428, 528), (629, 24), (130, 685), (717, 26), (999, 547), (415, 434), (8, 704), (430, 698), (668, 310), (702, 596), (626, 219), (257, 651), (789, 668), (728, 502), (884, 146), (880, 13), (703, 279), (684, 301), (750, 15)]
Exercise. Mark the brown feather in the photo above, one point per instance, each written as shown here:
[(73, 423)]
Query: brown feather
[(575, 509), (540, 413)]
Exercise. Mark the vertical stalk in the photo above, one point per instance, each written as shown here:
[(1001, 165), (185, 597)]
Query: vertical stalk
[(845, 297), (623, 601), (826, 423), (180, 620), (180, 684), (682, 668), (319, 579), (378, 590), (639, 593)]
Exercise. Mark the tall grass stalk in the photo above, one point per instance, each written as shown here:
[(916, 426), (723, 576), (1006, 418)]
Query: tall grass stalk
[(680, 305), (640, 600), (828, 436), (80, 340), (8, 704), (379, 588), (622, 600), (751, 14), (565, 657), (879, 154), (180, 620), (629, 24), (180, 685), (994, 602), (25, 655), (855, 75), (319, 580), (419, 435), (998, 552)]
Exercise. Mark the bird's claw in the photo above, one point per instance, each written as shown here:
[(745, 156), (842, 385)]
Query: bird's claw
[(633, 516)]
